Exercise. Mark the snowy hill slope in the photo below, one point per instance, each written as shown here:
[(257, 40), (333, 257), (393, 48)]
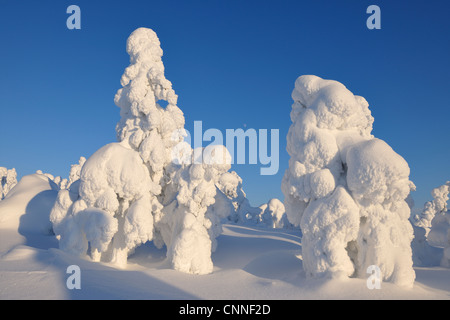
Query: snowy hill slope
[(249, 263), (24, 213)]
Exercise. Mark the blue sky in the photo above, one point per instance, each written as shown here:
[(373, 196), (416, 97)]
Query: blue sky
[(233, 65)]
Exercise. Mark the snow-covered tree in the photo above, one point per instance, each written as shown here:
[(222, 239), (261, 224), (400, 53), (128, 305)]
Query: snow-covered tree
[(75, 172), (435, 216), (150, 185), (435, 220), (8, 179), (110, 207), (438, 206), (431, 229), (344, 188), (273, 214), (191, 221), (232, 197), (445, 262)]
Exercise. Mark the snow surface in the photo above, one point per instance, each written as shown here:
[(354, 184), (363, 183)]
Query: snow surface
[(251, 262)]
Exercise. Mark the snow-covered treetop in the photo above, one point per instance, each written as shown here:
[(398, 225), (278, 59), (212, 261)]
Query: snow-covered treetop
[(75, 171), (332, 104), (326, 119), (434, 207), (440, 196), (145, 125)]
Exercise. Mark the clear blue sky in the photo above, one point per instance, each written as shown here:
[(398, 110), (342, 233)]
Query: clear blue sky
[(233, 64)]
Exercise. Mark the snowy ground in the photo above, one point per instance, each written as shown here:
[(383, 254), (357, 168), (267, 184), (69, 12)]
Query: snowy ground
[(250, 263)]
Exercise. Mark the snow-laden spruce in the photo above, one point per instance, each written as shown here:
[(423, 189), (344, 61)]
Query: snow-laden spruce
[(75, 172), (433, 217), (150, 185), (231, 198), (439, 234), (191, 221), (432, 230), (8, 179), (273, 214), (233, 195), (344, 188)]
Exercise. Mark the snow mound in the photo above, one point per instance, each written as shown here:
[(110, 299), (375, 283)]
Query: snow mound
[(24, 213)]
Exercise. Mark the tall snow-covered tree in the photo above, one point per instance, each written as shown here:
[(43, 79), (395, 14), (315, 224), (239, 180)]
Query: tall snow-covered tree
[(150, 185)]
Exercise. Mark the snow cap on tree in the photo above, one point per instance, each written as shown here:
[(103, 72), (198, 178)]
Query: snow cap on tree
[(145, 125)]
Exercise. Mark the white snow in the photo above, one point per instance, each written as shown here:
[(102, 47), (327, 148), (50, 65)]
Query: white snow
[(251, 262), (150, 218)]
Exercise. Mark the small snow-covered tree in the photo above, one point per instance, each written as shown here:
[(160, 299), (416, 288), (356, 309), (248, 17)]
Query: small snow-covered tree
[(75, 172), (438, 206), (232, 201), (8, 179), (445, 262), (273, 214), (110, 208), (191, 222), (434, 216), (435, 220), (344, 188), (431, 229)]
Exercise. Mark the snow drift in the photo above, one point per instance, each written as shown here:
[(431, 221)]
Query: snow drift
[(24, 213), (344, 188)]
